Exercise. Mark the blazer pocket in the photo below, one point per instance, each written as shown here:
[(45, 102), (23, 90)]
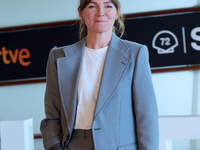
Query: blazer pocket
[(131, 146), (125, 82)]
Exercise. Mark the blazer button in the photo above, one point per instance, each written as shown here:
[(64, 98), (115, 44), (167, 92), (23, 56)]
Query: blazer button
[(67, 137)]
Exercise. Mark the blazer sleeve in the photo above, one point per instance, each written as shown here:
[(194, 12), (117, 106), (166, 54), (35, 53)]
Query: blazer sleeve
[(145, 105), (51, 126)]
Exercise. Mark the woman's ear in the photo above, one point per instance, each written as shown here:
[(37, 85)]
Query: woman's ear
[(117, 15), (80, 14)]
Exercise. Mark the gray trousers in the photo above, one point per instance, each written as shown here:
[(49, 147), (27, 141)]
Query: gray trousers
[(81, 140)]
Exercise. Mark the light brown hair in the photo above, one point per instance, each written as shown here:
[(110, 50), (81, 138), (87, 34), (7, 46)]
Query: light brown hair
[(118, 27)]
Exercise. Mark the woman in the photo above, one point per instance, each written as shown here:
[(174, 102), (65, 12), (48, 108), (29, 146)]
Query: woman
[(99, 93)]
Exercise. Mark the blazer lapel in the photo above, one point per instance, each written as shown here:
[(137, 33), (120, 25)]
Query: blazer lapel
[(69, 68), (114, 68)]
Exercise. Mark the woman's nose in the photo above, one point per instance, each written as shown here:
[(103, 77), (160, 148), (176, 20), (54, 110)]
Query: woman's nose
[(101, 11)]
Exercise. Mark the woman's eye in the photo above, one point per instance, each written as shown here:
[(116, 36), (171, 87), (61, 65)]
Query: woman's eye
[(91, 6), (108, 6)]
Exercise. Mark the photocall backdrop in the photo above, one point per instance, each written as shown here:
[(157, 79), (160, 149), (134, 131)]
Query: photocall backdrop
[(173, 40)]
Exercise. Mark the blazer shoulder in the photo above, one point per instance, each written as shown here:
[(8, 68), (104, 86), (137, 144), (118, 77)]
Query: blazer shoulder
[(63, 51), (135, 50), (133, 45)]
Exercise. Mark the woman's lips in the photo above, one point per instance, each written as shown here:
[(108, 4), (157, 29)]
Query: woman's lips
[(99, 21)]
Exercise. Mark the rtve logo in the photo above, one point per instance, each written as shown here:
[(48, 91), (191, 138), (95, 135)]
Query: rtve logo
[(8, 56)]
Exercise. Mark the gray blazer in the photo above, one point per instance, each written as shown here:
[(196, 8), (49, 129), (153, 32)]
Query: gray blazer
[(126, 116)]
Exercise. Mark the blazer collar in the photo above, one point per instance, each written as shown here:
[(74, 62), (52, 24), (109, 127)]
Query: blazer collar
[(79, 47), (75, 49), (118, 45)]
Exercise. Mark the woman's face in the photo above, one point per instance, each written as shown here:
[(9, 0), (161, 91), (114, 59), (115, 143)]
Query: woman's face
[(99, 16)]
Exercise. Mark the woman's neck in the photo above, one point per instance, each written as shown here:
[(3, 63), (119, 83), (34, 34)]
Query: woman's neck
[(98, 40)]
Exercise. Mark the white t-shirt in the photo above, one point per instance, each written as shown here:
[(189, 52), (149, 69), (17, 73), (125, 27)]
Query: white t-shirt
[(88, 86)]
